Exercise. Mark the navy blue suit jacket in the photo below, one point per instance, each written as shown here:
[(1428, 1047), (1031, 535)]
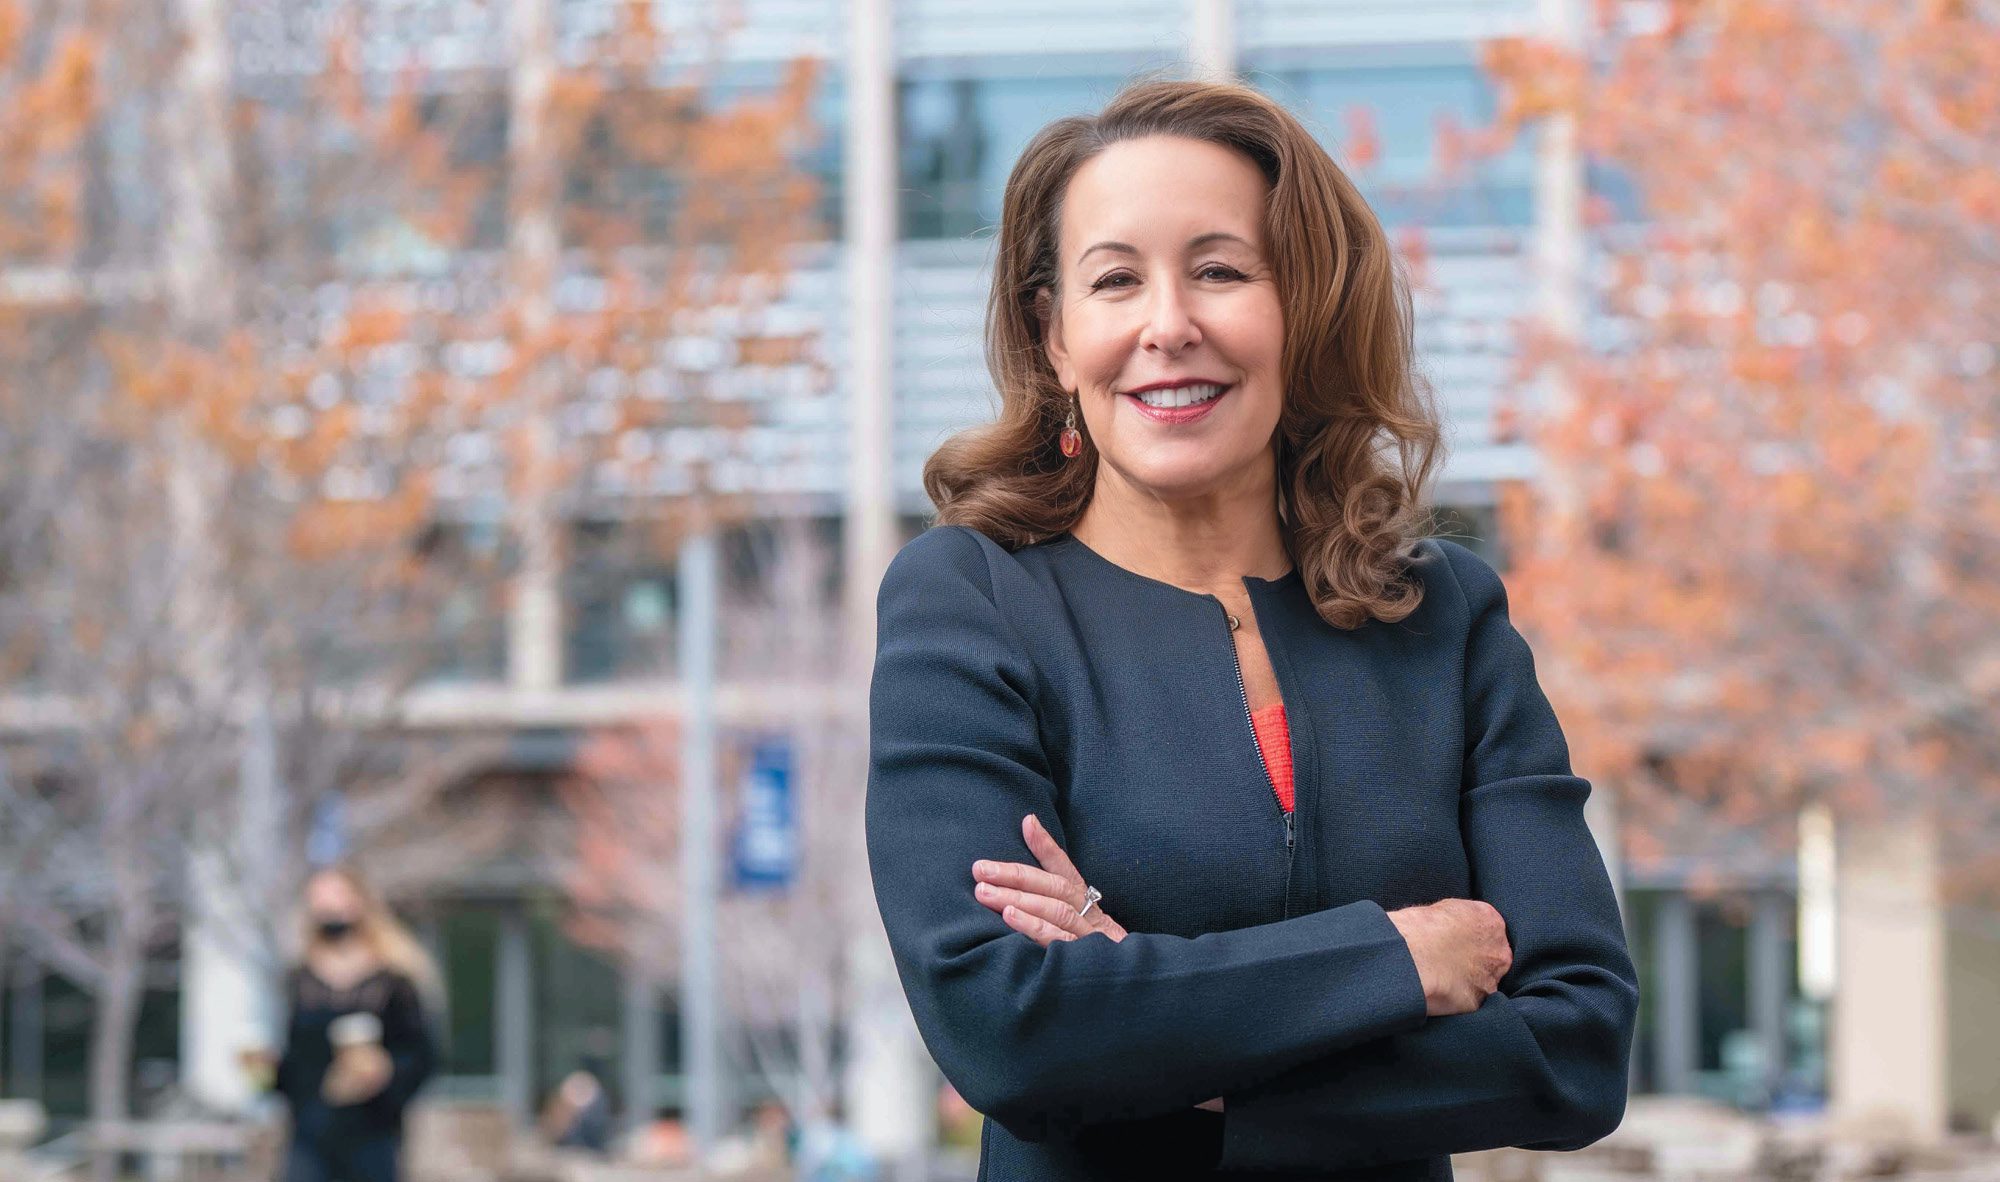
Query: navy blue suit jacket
[(1428, 765)]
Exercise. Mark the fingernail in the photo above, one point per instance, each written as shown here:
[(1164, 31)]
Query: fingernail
[(980, 867), (983, 889)]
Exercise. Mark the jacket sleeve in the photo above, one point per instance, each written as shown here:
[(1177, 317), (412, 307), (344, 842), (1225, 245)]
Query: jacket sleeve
[(1542, 1063), (1087, 1030), (406, 1038)]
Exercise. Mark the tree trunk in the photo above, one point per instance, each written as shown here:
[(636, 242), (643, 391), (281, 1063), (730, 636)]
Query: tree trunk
[(113, 1030)]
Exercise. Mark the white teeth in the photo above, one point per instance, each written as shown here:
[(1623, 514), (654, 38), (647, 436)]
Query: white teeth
[(1178, 396)]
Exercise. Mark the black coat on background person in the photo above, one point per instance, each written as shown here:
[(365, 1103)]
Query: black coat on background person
[(361, 1140)]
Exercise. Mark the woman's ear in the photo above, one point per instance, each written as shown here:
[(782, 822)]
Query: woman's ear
[(1052, 342)]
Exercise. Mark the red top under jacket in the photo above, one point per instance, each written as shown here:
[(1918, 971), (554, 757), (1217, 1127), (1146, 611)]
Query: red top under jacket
[(1275, 737)]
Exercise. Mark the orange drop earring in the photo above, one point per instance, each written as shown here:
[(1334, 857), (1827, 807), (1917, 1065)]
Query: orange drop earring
[(1071, 439)]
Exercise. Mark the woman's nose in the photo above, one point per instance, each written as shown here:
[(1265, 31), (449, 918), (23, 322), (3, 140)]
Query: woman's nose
[(1169, 327)]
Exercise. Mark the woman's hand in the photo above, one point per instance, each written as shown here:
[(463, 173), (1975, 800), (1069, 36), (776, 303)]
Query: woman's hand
[(260, 1065), (1461, 950), (1041, 904), (357, 1074)]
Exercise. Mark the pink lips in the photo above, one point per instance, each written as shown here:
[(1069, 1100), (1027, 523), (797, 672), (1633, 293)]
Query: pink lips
[(1179, 414)]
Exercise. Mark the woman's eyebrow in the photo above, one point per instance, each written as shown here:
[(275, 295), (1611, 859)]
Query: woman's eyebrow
[(1194, 243)]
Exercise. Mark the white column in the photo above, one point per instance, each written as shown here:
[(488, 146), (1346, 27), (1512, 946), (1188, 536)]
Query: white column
[(1559, 255), (1887, 1058), (534, 602), (225, 1008), (869, 252), (225, 990), (1558, 241), (1212, 39), (1675, 995), (229, 970), (701, 1014), (888, 1082), (1600, 814), (1819, 911)]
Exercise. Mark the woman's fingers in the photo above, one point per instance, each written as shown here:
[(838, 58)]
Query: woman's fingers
[(1022, 877), (1047, 852), (1055, 911), (1040, 930), (1044, 903)]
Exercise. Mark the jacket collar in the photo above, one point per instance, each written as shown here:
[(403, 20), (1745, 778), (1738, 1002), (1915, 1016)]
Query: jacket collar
[(1070, 549)]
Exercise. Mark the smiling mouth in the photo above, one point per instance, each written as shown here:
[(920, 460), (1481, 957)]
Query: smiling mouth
[(1180, 397)]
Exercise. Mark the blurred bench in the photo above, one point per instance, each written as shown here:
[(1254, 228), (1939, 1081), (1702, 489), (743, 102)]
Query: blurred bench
[(457, 1141)]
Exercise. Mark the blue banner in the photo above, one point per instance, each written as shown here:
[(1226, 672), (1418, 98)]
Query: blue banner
[(764, 848)]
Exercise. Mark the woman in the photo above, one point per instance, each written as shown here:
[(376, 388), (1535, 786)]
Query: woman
[(1176, 651), (357, 1045)]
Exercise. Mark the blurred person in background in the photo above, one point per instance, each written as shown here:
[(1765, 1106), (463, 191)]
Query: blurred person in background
[(357, 1039), (662, 1141), (827, 1150), (1179, 648), (578, 1112), (773, 1139)]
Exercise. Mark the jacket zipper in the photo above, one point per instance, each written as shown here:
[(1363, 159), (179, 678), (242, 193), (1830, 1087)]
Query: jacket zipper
[(1244, 693)]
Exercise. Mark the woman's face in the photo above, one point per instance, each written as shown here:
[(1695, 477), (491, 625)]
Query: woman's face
[(331, 898), (1182, 293)]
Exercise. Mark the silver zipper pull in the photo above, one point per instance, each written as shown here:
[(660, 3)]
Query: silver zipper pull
[(1288, 829)]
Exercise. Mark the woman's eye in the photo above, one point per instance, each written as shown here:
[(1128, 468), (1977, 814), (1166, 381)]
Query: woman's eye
[(1212, 268)]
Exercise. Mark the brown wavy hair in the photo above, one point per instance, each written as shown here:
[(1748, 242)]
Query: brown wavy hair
[(1350, 513)]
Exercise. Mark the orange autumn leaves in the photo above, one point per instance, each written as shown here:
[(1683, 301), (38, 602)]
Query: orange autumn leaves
[(351, 404), (52, 99), (1762, 563)]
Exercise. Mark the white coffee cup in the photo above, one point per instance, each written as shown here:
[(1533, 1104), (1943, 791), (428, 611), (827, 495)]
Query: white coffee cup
[(350, 1030)]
